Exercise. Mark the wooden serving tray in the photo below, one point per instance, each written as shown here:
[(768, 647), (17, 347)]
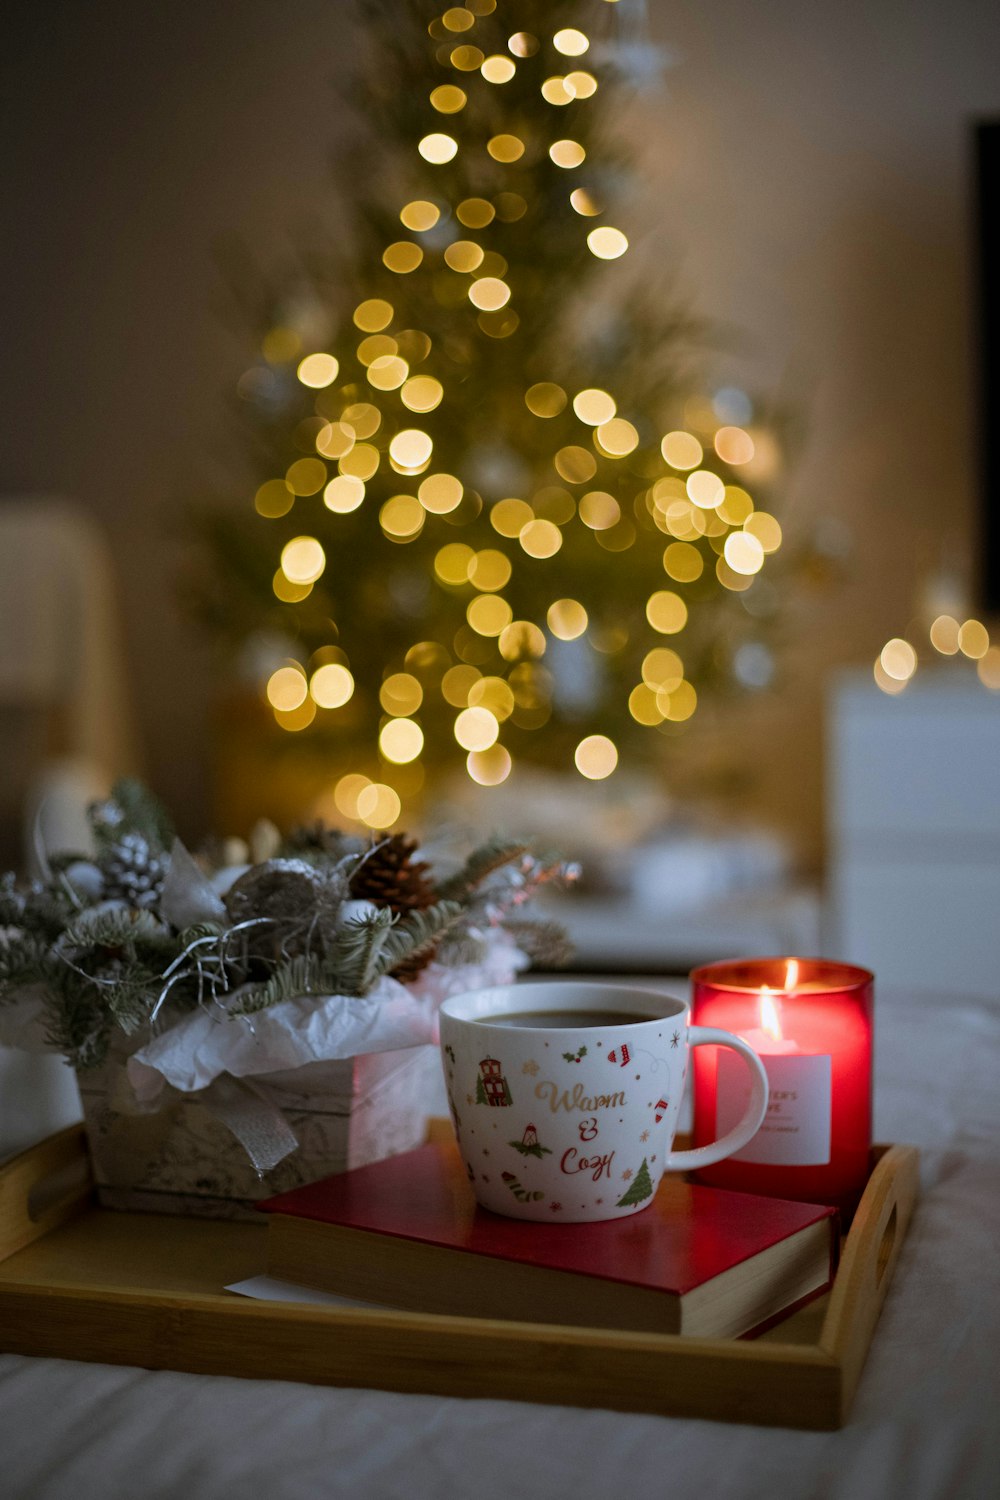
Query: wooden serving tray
[(80, 1282)]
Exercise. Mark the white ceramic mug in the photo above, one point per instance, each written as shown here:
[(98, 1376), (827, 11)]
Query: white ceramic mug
[(565, 1095)]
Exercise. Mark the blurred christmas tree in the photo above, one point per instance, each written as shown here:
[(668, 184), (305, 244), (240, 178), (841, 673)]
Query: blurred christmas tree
[(497, 521)]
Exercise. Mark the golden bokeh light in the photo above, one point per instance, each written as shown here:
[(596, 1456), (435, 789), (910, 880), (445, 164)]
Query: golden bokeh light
[(347, 791), (505, 148), (888, 684), (375, 345), (388, 372), (973, 639), (556, 91), (606, 242), (302, 559), (453, 562), (898, 659), (617, 437), (402, 517), (475, 213), (736, 583), (585, 203), (332, 685), (457, 683), (570, 42), (596, 757), (666, 612), (509, 517), (495, 694), (287, 591), (411, 448), (447, 99), (743, 552), (440, 493), (575, 464), (344, 494), (457, 18), (362, 461), (280, 345), (765, 528), (642, 705), (488, 614), (401, 740), (541, 539), (705, 489), (581, 85), (489, 293), (318, 370), (296, 719), (373, 315), (420, 214), (402, 256), (401, 694), (567, 154), (467, 59), (682, 450), (362, 418), (498, 69), (306, 476), (334, 439), (683, 562), (510, 207), (490, 570), (734, 446), (287, 688), (662, 669), (599, 510), (438, 148), (489, 767), (545, 399), (988, 669), (476, 729), (378, 805), (736, 506), (464, 255), (567, 619), (595, 407), (273, 499), (521, 639), (421, 393), (678, 703), (523, 44), (944, 635)]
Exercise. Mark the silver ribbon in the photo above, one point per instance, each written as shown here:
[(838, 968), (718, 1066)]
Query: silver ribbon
[(249, 1112)]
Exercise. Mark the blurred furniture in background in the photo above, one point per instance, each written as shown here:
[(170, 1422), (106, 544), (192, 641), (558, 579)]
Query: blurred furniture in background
[(66, 731), (914, 826)]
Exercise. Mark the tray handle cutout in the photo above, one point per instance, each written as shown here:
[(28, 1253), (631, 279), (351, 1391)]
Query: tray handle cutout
[(42, 1187)]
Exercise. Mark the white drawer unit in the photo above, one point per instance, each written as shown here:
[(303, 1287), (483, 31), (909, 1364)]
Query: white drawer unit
[(914, 831)]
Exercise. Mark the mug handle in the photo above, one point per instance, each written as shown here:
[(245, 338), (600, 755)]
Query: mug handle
[(753, 1118)]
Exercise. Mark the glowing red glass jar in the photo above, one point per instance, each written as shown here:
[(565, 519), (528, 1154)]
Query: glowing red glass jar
[(810, 1020)]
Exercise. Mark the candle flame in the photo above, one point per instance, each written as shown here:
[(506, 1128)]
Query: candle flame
[(791, 974), (770, 1020)]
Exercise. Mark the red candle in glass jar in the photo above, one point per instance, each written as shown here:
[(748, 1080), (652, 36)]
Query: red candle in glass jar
[(810, 1021)]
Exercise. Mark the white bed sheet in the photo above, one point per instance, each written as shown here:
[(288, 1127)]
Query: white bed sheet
[(924, 1425)]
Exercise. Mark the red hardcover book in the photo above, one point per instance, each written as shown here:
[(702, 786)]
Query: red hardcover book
[(407, 1232)]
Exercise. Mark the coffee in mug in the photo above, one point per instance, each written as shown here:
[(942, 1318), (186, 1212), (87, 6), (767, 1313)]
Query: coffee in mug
[(565, 1095)]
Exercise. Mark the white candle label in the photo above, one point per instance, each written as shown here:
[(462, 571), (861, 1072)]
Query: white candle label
[(796, 1129)]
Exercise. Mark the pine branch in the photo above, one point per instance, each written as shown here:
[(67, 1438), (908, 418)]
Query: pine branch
[(481, 863), (299, 976), (354, 956), (416, 935), (545, 943)]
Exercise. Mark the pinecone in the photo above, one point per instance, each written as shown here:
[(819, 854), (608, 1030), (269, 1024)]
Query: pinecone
[(134, 872), (389, 876)]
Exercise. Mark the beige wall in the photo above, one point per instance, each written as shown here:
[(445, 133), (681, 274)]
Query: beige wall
[(805, 171)]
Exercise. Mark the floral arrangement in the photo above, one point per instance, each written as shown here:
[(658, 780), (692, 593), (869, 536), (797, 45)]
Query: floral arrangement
[(142, 934)]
